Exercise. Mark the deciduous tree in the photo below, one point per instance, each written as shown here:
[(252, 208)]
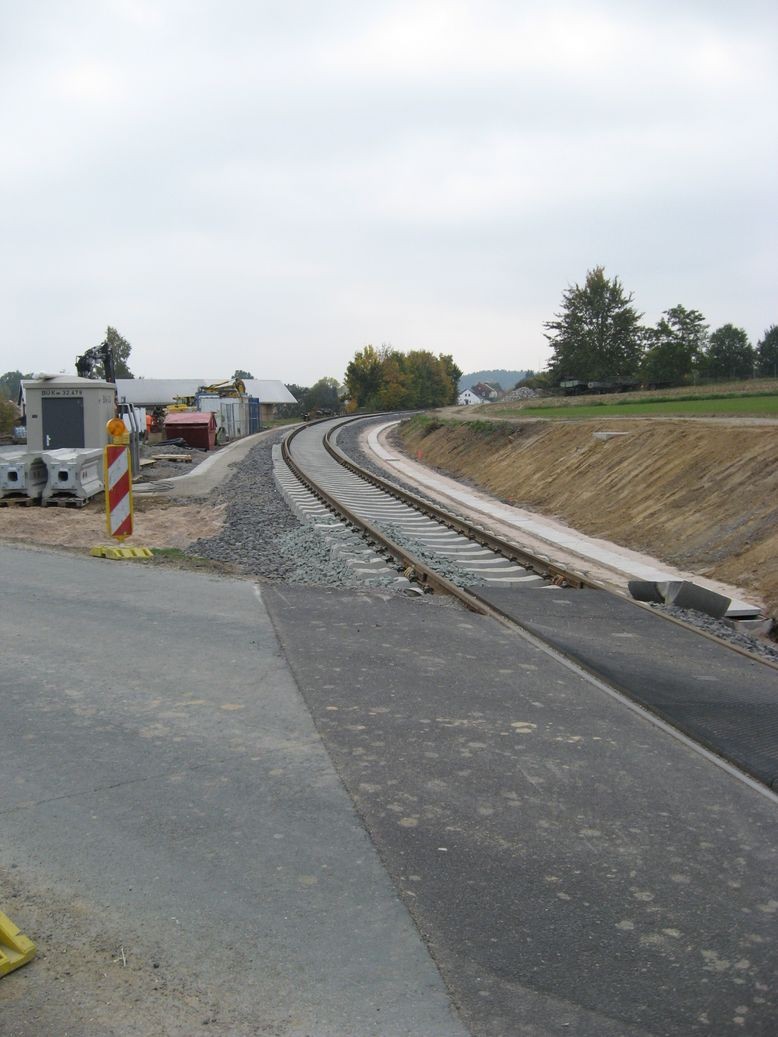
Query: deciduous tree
[(729, 354), (675, 346), (597, 335), (364, 376), (121, 350), (323, 395), (767, 353), (10, 383), (8, 416), (389, 380)]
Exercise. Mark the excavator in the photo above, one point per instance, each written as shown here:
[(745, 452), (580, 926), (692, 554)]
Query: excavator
[(229, 389), (85, 366), (88, 361)]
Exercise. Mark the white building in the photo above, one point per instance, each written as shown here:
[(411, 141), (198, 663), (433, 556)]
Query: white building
[(467, 397)]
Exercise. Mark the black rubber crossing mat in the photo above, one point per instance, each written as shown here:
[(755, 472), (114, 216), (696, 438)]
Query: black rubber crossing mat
[(720, 698)]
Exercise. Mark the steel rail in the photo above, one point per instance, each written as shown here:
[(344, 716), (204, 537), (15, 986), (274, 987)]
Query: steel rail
[(427, 576), (424, 573), (413, 566), (536, 563)]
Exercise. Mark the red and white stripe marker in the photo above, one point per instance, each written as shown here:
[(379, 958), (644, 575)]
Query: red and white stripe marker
[(118, 491)]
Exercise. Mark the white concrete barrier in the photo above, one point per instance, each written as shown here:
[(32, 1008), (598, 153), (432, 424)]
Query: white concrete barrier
[(73, 475), (23, 475)]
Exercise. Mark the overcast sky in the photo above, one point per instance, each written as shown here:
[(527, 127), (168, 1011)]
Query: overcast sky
[(236, 183)]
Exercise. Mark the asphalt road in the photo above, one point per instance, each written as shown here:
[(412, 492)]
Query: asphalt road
[(573, 868), (720, 698), (349, 819), (172, 833)]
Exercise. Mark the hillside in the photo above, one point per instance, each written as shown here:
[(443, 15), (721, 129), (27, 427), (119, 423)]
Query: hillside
[(702, 495), (507, 379)]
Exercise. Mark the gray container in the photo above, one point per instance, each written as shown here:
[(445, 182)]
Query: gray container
[(67, 412)]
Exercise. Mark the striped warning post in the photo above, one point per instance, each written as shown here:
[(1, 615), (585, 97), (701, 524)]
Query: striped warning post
[(118, 491)]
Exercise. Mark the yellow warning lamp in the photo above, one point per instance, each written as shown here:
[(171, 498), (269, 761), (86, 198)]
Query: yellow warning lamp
[(117, 430)]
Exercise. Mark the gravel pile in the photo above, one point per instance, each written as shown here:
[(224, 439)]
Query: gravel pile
[(256, 516), (262, 537)]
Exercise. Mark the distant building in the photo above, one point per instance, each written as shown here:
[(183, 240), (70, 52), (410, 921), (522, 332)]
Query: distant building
[(468, 397), (161, 392), (488, 392)]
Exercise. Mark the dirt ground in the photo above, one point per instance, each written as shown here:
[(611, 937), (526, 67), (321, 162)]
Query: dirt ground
[(157, 523), (701, 495)]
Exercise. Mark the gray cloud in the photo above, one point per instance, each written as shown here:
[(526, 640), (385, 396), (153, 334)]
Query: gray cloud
[(272, 186)]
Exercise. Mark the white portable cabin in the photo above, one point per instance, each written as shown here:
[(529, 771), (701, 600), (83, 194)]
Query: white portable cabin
[(65, 411)]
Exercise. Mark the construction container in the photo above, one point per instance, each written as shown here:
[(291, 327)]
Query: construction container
[(231, 413), (73, 476), (68, 412), (23, 476), (197, 430)]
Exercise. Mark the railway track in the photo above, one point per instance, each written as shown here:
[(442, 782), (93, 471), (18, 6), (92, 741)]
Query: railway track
[(655, 665), (426, 541)]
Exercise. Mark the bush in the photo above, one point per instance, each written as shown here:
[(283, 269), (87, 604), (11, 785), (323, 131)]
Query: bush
[(8, 417)]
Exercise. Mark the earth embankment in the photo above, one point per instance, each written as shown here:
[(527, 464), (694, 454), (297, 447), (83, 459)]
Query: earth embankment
[(702, 495)]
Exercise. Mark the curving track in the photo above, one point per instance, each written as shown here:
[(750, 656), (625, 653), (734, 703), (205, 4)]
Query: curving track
[(717, 700), (419, 535)]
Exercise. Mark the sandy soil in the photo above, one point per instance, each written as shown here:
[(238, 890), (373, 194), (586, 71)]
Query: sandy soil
[(158, 523), (700, 495)]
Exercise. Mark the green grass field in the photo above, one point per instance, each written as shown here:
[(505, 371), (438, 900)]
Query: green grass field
[(750, 406)]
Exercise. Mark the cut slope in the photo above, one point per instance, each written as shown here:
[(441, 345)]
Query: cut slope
[(700, 495)]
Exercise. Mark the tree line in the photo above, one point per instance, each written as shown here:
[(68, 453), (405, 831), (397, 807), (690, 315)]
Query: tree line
[(386, 379), (598, 336)]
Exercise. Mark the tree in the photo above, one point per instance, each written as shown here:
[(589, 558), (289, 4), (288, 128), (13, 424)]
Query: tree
[(322, 395), (120, 349), (396, 389), (675, 346), (241, 376), (597, 335), (729, 354), (767, 353), (293, 410), (427, 380), (386, 379), (364, 376), (10, 384), (8, 417), (452, 373)]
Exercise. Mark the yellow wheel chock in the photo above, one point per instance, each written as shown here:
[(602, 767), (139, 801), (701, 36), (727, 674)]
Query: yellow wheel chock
[(15, 950)]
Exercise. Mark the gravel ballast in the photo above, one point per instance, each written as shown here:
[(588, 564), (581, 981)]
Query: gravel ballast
[(261, 537), (256, 517)]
